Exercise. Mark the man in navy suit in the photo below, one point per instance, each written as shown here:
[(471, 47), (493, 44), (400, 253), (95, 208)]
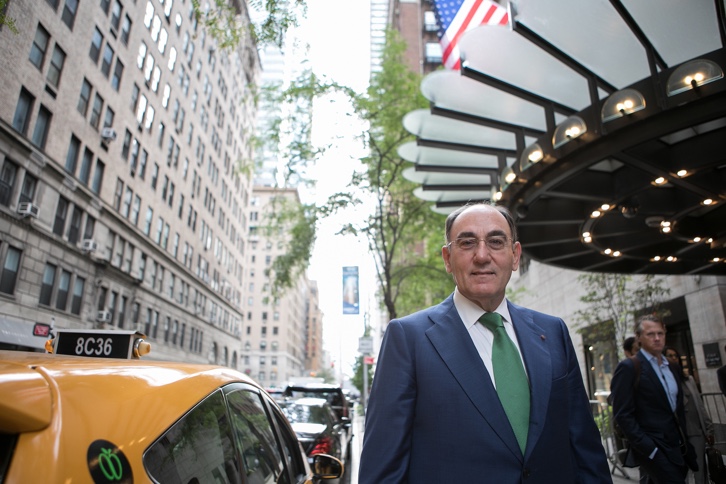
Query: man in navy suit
[(648, 407), (434, 414)]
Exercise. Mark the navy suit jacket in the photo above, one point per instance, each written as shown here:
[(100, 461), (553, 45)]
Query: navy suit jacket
[(644, 413), (434, 415)]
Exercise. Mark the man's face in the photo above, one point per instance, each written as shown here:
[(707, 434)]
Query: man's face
[(481, 274), (652, 338)]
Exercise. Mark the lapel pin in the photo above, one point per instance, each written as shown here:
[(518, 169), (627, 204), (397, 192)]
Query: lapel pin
[(543, 337)]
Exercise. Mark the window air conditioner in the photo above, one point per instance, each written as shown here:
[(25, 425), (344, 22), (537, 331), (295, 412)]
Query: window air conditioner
[(88, 245), (103, 317), (27, 209), (108, 134)]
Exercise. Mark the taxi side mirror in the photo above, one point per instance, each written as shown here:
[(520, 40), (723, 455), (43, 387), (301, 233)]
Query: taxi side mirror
[(327, 467)]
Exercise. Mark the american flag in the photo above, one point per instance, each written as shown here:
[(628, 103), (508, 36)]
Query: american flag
[(457, 16)]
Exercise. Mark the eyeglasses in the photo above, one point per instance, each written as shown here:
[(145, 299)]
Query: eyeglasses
[(494, 243)]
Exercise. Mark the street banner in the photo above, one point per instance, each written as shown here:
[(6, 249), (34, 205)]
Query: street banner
[(351, 304)]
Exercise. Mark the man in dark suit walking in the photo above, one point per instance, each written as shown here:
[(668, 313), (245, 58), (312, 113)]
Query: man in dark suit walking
[(477, 389), (648, 407)]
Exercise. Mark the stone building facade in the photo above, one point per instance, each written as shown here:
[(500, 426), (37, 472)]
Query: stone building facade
[(122, 202)]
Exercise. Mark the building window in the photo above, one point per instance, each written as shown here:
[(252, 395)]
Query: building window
[(39, 47), (98, 177), (96, 111), (22, 112), (69, 13), (433, 52), (126, 30), (84, 98), (72, 157), (56, 66), (46, 287), (117, 73), (116, 15), (64, 285), (7, 181), (77, 298), (107, 60), (430, 23), (147, 222), (108, 120), (11, 265), (42, 126), (61, 212), (85, 172), (27, 192), (74, 231), (96, 42)]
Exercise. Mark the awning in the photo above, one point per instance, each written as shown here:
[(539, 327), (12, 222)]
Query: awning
[(641, 188)]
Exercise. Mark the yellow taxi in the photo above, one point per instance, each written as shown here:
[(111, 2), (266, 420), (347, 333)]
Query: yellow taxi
[(102, 415)]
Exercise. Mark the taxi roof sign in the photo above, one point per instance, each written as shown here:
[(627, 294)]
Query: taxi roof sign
[(100, 343)]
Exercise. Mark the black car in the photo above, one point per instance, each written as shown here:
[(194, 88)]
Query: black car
[(333, 394), (317, 427)]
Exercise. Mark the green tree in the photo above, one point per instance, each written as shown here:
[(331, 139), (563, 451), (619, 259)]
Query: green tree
[(617, 300), (224, 22), (9, 22), (404, 235), (357, 379)]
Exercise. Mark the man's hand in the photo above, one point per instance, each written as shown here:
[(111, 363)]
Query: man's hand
[(710, 439)]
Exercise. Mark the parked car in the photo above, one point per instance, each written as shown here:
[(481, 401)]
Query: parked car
[(334, 396), (317, 427), (96, 419)]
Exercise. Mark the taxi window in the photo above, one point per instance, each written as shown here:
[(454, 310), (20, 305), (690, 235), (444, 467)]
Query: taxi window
[(261, 459), (291, 448), (198, 448)]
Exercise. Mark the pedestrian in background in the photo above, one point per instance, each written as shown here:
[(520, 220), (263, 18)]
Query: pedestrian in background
[(630, 346), (648, 407), (477, 389), (698, 422)]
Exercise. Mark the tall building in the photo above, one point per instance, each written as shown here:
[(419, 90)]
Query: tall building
[(416, 22), (277, 331), (314, 358), (122, 204)]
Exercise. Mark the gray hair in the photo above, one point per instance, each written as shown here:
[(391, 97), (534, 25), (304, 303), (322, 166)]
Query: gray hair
[(647, 317), (499, 208)]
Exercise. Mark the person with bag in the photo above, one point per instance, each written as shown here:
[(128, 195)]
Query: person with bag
[(652, 415), (698, 422)]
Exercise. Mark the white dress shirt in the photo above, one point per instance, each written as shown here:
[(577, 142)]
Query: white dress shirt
[(481, 336)]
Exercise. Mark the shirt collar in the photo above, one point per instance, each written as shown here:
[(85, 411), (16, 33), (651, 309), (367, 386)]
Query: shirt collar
[(654, 359), (470, 312)]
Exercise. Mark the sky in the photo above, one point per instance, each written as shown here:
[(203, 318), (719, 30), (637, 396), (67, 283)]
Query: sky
[(338, 34)]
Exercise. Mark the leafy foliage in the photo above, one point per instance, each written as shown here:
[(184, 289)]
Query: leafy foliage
[(223, 23), (357, 379), (618, 299), (403, 234), (9, 22), (292, 224)]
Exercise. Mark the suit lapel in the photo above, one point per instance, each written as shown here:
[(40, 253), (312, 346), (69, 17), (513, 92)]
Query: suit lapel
[(536, 355), (452, 342), (647, 370)]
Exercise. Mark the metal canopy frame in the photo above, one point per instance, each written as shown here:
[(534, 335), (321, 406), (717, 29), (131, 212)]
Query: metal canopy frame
[(612, 199)]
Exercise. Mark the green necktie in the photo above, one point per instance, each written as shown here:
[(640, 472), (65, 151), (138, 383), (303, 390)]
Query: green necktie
[(510, 378)]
